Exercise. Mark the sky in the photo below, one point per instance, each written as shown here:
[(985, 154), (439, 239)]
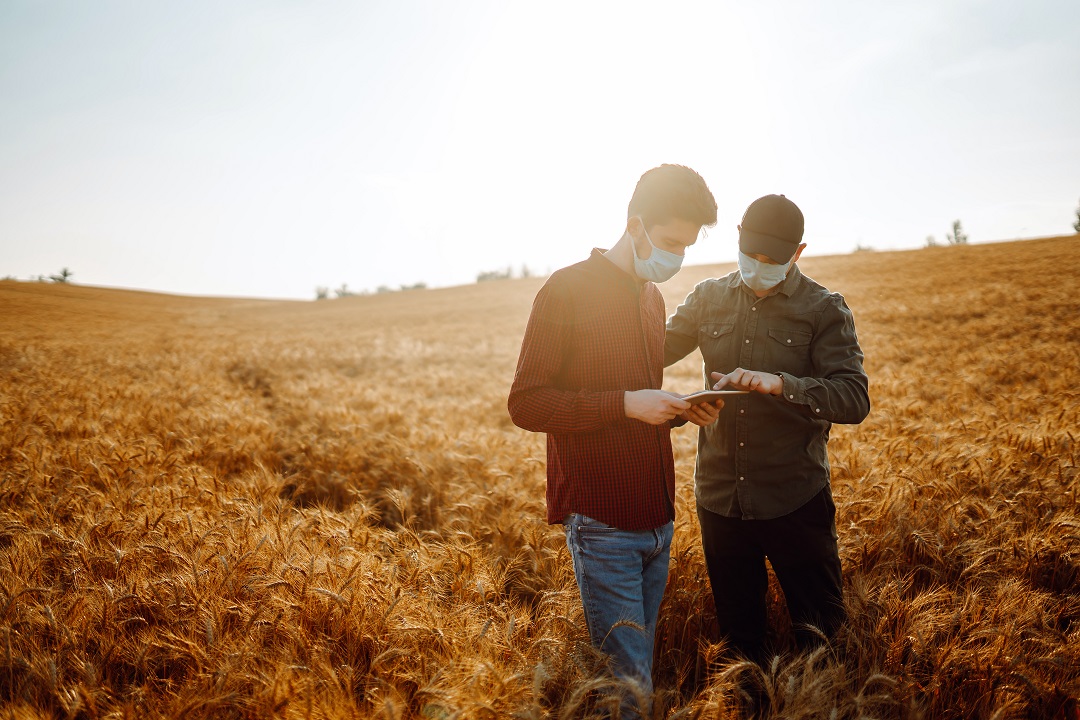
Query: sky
[(266, 149)]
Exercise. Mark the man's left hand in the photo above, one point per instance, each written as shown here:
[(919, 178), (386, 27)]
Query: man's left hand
[(703, 414), (753, 380)]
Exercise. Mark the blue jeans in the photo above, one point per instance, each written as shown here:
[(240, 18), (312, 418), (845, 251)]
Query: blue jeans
[(621, 575)]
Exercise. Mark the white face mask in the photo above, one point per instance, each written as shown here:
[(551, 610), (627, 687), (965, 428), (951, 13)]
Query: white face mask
[(661, 265), (761, 276)]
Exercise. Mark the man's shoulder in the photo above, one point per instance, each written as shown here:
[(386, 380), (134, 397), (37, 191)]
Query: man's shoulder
[(815, 295), (710, 288), (812, 288), (570, 287), (562, 283), (591, 280), (585, 271)]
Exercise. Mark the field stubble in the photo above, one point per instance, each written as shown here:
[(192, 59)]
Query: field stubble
[(223, 508)]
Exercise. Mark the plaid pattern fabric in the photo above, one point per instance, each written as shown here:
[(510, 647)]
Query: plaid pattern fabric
[(594, 333)]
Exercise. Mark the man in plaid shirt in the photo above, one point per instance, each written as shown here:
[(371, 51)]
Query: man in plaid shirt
[(589, 375)]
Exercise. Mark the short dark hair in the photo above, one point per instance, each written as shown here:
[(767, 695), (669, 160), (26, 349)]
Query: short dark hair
[(672, 191)]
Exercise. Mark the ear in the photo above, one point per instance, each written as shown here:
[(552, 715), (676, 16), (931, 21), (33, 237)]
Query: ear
[(798, 252), (634, 226)]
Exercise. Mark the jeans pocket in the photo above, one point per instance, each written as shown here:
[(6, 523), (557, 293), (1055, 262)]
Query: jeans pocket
[(586, 524)]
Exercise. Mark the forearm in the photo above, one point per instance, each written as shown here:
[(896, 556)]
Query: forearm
[(843, 399), (550, 410), (677, 346), (680, 337)]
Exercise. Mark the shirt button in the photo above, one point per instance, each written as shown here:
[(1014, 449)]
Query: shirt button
[(747, 341), (789, 341), (790, 397), (754, 309), (741, 477), (715, 333), (817, 410), (741, 412), (741, 444)]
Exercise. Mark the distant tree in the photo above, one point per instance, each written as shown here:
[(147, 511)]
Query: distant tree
[(62, 277), (859, 247), (344, 291), (957, 236), (494, 275), (525, 271), (384, 289), (415, 286), (1076, 225), (931, 241), (321, 293)]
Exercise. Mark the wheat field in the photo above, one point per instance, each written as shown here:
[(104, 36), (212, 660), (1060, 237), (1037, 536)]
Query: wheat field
[(220, 508)]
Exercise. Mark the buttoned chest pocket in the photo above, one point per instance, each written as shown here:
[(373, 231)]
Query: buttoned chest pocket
[(718, 348), (788, 350)]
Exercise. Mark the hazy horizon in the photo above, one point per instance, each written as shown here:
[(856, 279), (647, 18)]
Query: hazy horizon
[(267, 149)]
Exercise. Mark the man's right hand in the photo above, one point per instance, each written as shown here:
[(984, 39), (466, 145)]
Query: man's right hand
[(752, 380), (653, 406)]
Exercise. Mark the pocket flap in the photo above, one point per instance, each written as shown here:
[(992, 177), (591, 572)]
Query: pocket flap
[(711, 331), (790, 338)]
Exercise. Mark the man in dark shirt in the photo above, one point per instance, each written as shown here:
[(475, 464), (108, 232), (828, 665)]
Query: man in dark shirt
[(589, 375), (762, 477)]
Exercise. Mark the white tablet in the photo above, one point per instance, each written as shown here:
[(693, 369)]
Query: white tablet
[(710, 395)]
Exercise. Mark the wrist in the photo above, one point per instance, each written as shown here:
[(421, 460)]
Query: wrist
[(780, 387)]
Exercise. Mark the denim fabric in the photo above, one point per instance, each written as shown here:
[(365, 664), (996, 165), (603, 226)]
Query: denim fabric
[(621, 575)]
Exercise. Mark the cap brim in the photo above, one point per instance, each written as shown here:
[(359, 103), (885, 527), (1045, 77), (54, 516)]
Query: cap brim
[(753, 243)]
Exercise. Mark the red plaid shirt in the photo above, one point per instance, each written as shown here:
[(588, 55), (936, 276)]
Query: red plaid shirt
[(594, 333)]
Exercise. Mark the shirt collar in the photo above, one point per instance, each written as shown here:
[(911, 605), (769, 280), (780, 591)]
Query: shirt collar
[(791, 282), (613, 271)]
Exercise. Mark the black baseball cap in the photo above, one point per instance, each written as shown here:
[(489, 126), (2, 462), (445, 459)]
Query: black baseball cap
[(771, 226)]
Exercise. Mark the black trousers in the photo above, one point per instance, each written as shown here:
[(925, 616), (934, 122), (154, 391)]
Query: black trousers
[(803, 552)]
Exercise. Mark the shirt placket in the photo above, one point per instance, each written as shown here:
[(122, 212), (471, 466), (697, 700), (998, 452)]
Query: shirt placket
[(742, 420)]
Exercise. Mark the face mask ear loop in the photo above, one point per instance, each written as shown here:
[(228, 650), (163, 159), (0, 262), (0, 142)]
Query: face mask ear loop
[(633, 243), (660, 266)]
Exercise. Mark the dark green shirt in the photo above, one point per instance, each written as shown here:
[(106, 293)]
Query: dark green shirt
[(766, 454)]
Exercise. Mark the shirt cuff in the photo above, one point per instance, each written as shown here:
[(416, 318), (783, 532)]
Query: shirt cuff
[(792, 390), (612, 406), (795, 392)]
